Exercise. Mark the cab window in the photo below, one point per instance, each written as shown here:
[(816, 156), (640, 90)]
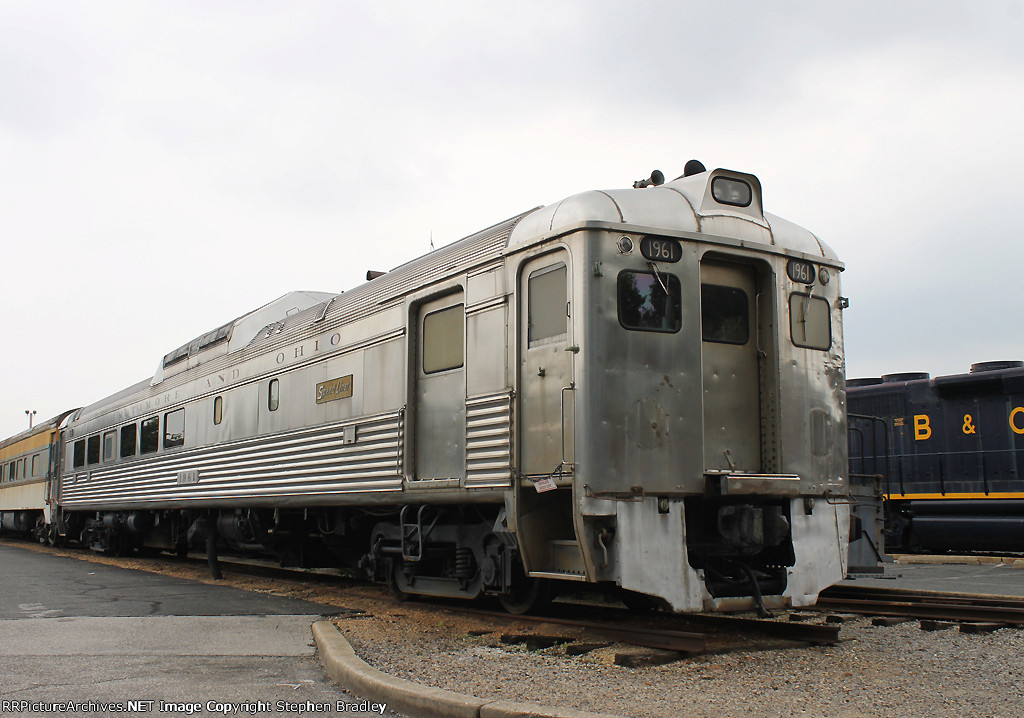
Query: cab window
[(809, 323), (649, 302)]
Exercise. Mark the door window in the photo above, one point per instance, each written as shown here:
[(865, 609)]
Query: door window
[(723, 314), (548, 308), (442, 339)]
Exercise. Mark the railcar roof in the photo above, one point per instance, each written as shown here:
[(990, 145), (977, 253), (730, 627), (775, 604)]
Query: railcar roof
[(686, 204), (39, 428)]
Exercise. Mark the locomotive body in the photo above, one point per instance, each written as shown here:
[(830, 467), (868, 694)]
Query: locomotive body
[(950, 451), (642, 388)]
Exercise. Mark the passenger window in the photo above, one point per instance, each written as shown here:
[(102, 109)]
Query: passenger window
[(442, 339), (79, 453), (274, 395), (109, 444), (37, 465), (92, 450), (809, 321), (644, 303), (724, 314), (21, 468), (129, 434), (149, 441), (548, 306), (218, 410), (174, 429)]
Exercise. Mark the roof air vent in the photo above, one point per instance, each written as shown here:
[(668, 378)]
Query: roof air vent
[(995, 366), (866, 381), (905, 376)]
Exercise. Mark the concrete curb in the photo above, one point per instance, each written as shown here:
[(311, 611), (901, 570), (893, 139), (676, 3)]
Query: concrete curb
[(348, 669)]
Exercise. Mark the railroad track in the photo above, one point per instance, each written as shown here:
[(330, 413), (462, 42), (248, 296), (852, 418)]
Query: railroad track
[(953, 608), (689, 634)]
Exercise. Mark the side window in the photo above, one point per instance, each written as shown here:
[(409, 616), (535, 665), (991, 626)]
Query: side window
[(218, 410), (37, 465), (724, 314), (274, 395), (650, 302), (809, 321), (548, 305), (109, 445), (149, 439), (129, 434), (442, 339), (174, 429), (21, 468), (79, 453), (92, 450)]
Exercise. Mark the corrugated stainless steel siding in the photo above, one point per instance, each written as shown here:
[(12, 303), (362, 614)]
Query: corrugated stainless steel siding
[(307, 463), (489, 441)]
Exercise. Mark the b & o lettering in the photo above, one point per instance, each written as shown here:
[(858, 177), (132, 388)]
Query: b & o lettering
[(922, 427), (1017, 424)]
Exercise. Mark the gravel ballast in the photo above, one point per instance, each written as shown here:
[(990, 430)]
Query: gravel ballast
[(874, 671)]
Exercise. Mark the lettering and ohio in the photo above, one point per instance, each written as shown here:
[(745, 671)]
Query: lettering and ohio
[(968, 424)]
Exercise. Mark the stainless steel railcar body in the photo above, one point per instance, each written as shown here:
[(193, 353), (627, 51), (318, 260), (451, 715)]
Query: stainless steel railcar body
[(641, 387)]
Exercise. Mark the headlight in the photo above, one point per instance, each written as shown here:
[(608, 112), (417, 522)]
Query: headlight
[(726, 190)]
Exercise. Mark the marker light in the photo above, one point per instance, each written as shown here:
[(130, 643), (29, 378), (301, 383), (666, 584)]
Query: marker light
[(726, 190)]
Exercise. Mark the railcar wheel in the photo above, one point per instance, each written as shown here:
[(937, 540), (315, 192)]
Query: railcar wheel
[(527, 594), (396, 593)]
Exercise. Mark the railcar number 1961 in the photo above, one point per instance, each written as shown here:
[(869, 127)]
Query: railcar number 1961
[(661, 250)]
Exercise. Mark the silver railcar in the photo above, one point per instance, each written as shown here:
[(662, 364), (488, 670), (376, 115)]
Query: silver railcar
[(639, 387)]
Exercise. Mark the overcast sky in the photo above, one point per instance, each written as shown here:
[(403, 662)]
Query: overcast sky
[(168, 166)]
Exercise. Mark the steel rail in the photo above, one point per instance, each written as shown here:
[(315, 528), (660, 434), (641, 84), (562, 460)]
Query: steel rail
[(904, 594), (661, 638), (819, 634), (914, 604)]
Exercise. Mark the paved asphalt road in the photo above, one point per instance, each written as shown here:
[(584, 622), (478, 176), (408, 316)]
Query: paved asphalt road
[(72, 630)]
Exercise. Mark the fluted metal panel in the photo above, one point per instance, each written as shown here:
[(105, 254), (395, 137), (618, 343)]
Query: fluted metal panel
[(489, 441), (314, 462)]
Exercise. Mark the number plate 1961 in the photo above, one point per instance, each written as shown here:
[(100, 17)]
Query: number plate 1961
[(661, 250), (800, 271)]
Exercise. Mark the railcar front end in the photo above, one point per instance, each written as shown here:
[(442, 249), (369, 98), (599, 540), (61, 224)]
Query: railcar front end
[(682, 399)]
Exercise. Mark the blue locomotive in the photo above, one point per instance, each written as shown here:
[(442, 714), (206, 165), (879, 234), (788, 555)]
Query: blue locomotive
[(950, 454)]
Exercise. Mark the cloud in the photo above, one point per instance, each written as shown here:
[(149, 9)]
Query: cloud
[(171, 165)]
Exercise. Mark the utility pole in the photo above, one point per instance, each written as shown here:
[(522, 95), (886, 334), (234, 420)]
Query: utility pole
[(30, 415)]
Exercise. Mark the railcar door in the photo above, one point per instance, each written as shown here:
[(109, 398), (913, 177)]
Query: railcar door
[(547, 533), (731, 383), (440, 411), (546, 372)]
